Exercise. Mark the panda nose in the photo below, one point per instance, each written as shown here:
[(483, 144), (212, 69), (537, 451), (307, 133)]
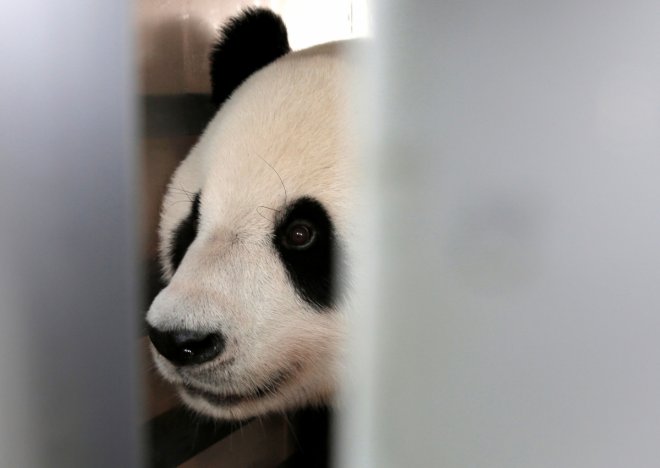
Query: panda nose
[(186, 347)]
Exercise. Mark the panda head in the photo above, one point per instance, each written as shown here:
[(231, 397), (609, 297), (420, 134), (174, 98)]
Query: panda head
[(253, 230)]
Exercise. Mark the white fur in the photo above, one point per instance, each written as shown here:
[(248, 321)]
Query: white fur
[(283, 134)]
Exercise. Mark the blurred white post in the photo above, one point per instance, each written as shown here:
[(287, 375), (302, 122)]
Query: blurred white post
[(68, 283), (509, 309)]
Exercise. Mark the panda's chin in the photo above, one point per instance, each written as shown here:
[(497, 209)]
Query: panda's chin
[(219, 399), (270, 396), (226, 406), (236, 407), (221, 390)]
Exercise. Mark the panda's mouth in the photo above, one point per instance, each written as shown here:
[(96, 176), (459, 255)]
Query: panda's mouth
[(269, 388)]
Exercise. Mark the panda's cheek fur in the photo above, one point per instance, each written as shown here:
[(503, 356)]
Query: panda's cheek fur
[(268, 328), (311, 382)]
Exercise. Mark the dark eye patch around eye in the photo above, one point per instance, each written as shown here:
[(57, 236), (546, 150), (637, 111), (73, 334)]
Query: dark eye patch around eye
[(185, 234), (312, 269)]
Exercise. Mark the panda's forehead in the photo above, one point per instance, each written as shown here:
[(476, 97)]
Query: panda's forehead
[(281, 136)]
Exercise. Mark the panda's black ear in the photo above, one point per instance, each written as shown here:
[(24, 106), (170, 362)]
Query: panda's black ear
[(247, 43)]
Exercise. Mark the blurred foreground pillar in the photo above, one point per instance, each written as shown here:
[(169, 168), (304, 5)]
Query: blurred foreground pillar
[(68, 283), (509, 309)]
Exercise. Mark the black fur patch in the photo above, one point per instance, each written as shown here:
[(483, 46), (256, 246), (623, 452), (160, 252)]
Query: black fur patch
[(247, 43), (185, 234), (311, 269)]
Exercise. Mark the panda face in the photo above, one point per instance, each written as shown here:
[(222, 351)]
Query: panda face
[(253, 229)]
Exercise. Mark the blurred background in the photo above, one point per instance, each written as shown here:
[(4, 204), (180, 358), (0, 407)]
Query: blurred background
[(507, 312)]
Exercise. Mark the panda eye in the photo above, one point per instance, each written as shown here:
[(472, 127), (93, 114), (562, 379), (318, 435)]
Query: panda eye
[(299, 235), (305, 241)]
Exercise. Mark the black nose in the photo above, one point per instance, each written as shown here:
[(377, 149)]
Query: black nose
[(186, 347)]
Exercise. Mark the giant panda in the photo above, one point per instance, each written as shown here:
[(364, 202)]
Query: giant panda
[(255, 228)]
